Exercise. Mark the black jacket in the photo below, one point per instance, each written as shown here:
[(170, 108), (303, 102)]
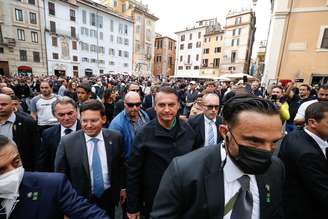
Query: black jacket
[(153, 150), (26, 136), (198, 124), (193, 188), (306, 189)]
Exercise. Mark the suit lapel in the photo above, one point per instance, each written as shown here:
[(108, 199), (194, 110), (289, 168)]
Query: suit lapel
[(264, 188), (109, 148), (215, 194), (84, 154), (57, 136), (202, 127)]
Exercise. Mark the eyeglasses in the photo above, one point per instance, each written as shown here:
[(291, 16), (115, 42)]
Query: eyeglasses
[(133, 104), (136, 90), (210, 107)]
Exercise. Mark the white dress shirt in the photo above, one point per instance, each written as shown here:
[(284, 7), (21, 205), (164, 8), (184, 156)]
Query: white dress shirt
[(103, 158), (322, 143), (62, 129), (231, 174), (300, 115), (207, 127)]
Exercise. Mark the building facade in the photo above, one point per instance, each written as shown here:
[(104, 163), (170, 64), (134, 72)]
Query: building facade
[(190, 48), (238, 41), (212, 52), (22, 44), (297, 47), (144, 32), (85, 38), (164, 57)]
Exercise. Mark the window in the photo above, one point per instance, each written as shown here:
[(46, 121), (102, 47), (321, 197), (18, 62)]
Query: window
[(100, 21), (23, 55), (181, 46), (92, 19), (34, 37), (1, 50), (19, 14), (233, 56), (181, 58), (85, 59), (239, 31), (120, 53), (112, 38), (126, 65), (182, 38), (196, 67), (126, 54), (75, 58), (72, 14), (205, 40), (74, 45), (84, 46), (111, 63), (189, 58), (126, 29), (198, 44), (55, 55), (93, 60), (232, 68), (54, 41), (31, 2), (111, 26), (148, 35), (93, 33), (36, 57), (73, 32), (180, 68), (237, 42), (237, 20), (101, 35), (233, 32), (20, 34), (170, 45), (158, 59), (51, 7), (216, 62), (101, 71), (120, 28), (52, 27), (138, 28), (217, 38), (324, 41), (199, 35), (232, 42), (170, 60), (84, 17), (33, 18), (205, 63), (206, 51), (217, 50), (189, 45), (126, 42), (197, 57), (115, 3), (119, 40), (188, 67), (190, 36), (93, 48), (101, 50)]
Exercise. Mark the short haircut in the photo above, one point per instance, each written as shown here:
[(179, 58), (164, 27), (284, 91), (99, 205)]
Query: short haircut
[(209, 95), (86, 87), (239, 103), (323, 86), (62, 100), (207, 83), (307, 86), (93, 105), (132, 83), (168, 90), (47, 81), (279, 87), (316, 111)]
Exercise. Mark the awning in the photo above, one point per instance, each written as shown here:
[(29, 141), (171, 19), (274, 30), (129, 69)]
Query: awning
[(24, 68)]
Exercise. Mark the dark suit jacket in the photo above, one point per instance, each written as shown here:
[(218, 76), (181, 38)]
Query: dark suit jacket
[(50, 141), (193, 187), (26, 136), (72, 159), (148, 101), (50, 196), (306, 188), (198, 124)]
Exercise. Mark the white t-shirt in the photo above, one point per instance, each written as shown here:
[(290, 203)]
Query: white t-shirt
[(301, 110), (42, 107)]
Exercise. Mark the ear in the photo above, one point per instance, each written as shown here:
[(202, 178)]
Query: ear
[(223, 130), (312, 123)]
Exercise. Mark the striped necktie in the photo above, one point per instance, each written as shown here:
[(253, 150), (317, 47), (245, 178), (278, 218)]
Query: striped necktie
[(211, 139)]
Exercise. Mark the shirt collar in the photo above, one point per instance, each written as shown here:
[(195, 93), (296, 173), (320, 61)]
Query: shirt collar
[(100, 137), (208, 120), (12, 118), (73, 127), (322, 143)]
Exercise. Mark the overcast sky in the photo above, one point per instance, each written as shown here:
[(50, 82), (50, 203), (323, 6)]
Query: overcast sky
[(176, 15)]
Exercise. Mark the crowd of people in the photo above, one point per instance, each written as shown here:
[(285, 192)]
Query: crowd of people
[(84, 147)]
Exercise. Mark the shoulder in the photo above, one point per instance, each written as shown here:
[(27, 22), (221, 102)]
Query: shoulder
[(49, 131), (118, 118), (111, 132), (196, 119), (72, 136), (43, 178), (304, 105), (26, 118)]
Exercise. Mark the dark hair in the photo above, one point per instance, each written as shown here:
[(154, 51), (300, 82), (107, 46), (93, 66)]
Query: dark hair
[(4, 140), (168, 90), (307, 86), (50, 83), (93, 105), (316, 111), (323, 86), (85, 86), (279, 87), (239, 103)]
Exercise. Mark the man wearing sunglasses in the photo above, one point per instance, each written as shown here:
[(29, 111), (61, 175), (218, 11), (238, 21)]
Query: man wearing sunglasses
[(65, 111), (206, 124)]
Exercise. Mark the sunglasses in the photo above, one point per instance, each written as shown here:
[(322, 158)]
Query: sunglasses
[(137, 90), (133, 104), (209, 107)]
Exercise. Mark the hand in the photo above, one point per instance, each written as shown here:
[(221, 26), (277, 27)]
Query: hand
[(134, 215), (122, 196)]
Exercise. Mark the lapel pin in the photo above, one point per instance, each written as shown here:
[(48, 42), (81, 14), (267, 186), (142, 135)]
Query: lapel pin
[(110, 142), (19, 123), (35, 196), (267, 194), (29, 195)]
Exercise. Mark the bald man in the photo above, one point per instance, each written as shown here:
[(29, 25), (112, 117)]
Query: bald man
[(129, 120), (8, 91), (22, 129)]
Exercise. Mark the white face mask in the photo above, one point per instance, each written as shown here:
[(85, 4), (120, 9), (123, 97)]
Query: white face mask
[(9, 183)]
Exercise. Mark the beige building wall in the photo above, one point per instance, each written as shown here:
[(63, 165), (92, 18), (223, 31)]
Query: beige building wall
[(302, 57), (164, 57), (10, 44), (212, 52)]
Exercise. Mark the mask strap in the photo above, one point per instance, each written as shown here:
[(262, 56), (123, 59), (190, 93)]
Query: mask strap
[(223, 163)]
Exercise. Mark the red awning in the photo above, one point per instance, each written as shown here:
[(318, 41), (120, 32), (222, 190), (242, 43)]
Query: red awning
[(24, 68)]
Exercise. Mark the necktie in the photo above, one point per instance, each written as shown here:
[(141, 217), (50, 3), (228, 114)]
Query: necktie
[(326, 153), (98, 180), (244, 204), (67, 131), (3, 214), (211, 139)]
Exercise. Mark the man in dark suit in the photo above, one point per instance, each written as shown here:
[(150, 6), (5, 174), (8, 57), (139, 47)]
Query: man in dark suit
[(65, 110), (22, 129), (37, 195), (155, 145), (304, 153), (149, 100), (93, 159), (206, 125), (238, 179)]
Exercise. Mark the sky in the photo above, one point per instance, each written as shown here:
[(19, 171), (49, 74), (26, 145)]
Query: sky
[(176, 15)]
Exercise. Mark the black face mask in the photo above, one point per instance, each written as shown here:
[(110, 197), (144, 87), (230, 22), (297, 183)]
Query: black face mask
[(251, 160)]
